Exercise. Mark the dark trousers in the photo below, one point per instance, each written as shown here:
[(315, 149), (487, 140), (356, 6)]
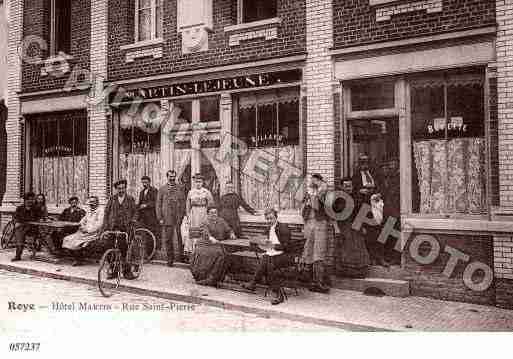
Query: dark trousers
[(268, 267), (168, 232), (108, 241), (375, 248)]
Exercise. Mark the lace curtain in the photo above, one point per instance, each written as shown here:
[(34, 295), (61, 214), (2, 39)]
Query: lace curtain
[(60, 178), (133, 166), (451, 176), (261, 195)]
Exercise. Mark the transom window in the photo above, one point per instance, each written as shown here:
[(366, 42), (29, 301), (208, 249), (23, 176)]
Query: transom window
[(148, 20), (255, 10)]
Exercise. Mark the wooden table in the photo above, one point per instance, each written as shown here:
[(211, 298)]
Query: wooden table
[(53, 226)]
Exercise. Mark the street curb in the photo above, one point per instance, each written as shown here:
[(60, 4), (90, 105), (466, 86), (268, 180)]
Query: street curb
[(200, 300)]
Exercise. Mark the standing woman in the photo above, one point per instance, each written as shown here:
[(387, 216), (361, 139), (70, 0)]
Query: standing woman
[(229, 206), (198, 199)]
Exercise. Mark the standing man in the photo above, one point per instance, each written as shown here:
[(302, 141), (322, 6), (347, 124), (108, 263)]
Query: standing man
[(27, 212), (316, 232), (391, 192), (146, 206), (119, 212), (229, 208), (170, 208)]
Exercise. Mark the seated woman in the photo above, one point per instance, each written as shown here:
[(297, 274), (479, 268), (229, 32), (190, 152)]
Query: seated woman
[(89, 230), (208, 261)]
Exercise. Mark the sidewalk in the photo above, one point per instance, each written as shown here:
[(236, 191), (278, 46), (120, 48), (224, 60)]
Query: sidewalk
[(340, 309)]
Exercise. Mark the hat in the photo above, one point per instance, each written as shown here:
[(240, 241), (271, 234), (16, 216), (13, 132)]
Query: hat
[(318, 176), (198, 176), (29, 195), (145, 178), (122, 181), (72, 198), (211, 206)]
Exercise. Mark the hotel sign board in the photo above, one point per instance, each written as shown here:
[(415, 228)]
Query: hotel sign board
[(214, 85)]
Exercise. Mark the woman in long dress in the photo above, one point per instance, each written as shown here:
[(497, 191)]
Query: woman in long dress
[(208, 261), (353, 258), (198, 199)]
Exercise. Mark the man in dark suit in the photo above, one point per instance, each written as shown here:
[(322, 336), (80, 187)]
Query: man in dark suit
[(71, 214), (277, 256), (119, 212), (146, 206)]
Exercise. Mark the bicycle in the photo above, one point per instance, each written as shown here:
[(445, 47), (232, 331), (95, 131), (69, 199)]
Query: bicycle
[(32, 242), (150, 243), (111, 265)]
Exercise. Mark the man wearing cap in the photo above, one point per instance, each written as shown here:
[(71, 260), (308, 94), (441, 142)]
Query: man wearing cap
[(146, 206), (119, 212), (316, 232), (170, 207), (24, 213), (364, 182)]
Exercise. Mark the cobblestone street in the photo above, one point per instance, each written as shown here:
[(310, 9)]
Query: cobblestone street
[(44, 292)]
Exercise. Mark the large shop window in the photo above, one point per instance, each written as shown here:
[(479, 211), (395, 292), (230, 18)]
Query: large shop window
[(139, 146), (60, 29), (58, 153), (448, 145), (255, 10), (269, 122), (148, 20)]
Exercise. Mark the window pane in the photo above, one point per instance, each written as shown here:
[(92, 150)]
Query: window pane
[(62, 26), (465, 110), (427, 106), (289, 123), (183, 112), (254, 10), (247, 129), (144, 4), (372, 96), (266, 125), (209, 109), (144, 25)]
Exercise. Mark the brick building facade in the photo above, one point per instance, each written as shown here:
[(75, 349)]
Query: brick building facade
[(300, 85)]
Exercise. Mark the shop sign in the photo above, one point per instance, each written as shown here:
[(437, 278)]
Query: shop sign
[(214, 85)]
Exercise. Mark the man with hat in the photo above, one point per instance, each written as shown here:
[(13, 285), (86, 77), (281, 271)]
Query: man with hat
[(316, 232), (71, 214), (170, 207), (24, 213), (119, 212), (146, 206)]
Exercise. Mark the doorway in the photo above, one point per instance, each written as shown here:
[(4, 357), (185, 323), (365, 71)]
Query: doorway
[(378, 138)]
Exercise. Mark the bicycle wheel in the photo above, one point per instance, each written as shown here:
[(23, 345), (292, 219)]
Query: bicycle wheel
[(7, 236), (149, 241), (135, 258), (109, 273)]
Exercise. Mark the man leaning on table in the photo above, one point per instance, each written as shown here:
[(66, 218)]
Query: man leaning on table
[(277, 256)]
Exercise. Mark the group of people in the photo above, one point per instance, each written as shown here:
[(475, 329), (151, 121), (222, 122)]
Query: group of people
[(164, 211)]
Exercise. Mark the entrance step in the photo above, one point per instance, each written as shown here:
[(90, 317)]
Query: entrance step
[(391, 287)]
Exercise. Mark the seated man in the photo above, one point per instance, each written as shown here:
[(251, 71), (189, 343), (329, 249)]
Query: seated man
[(208, 261), (120, 211), (279, 240), (27, 212), (71, 214), (88, 231)]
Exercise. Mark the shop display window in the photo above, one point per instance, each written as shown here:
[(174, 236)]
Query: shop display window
[(58, 155), (269, 123), (373, 95), (449, 146), (209, 109)]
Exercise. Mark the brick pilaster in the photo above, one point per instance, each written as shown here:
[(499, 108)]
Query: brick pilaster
[(98, 131), (317, 76), (13, 168)]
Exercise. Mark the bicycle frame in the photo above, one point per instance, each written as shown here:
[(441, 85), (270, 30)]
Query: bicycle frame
[(117, 234)]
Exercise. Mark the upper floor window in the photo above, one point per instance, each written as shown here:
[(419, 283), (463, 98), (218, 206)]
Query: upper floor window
[(148, 20), (255, 10), (60, 27)]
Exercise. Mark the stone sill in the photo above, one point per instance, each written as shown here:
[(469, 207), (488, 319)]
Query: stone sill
[(478, 225), (251, 25), (383, 2), (140, 44), (53, 59)]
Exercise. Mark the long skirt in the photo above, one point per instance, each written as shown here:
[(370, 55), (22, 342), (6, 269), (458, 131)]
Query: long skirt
[(316, 245), (353, 258), (208, 261)]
